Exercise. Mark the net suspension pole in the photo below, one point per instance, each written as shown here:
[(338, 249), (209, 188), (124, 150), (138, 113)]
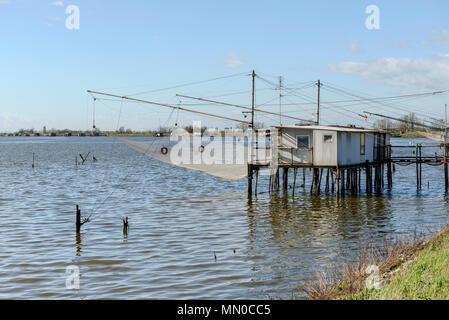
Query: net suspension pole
[(167, 106)]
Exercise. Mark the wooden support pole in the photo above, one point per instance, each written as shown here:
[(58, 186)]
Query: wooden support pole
[(446, 177), (417, 167), (312, 186), (32, 166), (78, 219), (304, 178), (285, 178), (376, 178), (327, 181), (348, 179), (420, 166), (332, 181), (125, 226), (366, 179), (257, 180), (354, 181), (250, 180), (315, 181), (342, 183), (277, 179), (295, 172), (360, 180), (337, 182), (319, 181)]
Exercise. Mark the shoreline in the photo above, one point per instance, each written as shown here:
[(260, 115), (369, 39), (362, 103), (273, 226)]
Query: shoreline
[(414, 268)]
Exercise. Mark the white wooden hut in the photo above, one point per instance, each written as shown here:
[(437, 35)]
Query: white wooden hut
[(330, 146)]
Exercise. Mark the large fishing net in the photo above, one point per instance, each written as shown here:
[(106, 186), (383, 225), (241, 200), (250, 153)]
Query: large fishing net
[(226, 156)]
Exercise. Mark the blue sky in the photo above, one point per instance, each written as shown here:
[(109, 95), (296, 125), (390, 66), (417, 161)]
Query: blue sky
[(128, 47)]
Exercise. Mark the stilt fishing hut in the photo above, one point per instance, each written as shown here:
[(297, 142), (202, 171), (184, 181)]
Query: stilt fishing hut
[(342, 151)]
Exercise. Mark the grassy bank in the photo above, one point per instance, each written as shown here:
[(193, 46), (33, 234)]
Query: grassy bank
[(425, 277), (410, 269)]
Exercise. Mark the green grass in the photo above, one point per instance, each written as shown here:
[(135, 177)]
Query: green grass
[(425, 278)]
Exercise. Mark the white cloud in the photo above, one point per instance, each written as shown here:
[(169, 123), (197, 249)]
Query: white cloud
[(424, 73), (233, 61), (57, 3)]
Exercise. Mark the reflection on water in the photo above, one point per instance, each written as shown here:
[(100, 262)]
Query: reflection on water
[(191, 235)]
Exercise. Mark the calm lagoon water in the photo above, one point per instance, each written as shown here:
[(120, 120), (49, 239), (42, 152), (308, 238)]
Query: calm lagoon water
[(178, 220)]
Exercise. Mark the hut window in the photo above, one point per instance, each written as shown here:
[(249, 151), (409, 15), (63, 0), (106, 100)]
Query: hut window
[(362, 143), (328, 138), (302, 142)]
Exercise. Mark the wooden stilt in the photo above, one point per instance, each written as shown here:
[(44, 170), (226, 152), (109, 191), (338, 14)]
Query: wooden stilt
[(446, 177), (337, 182), (304, 178), (78, 219), (250, 180), (285, 178), (319, 181), (360, 180), (348, 179), (316, 181), (420, 166), (366, 179), (295, 172), (332, 181), (327, 181), (277, 179), (257, 180)]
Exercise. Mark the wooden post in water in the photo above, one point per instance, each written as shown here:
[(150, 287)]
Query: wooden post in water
[(417, 167), (315, 190), (250, 180), (353, 180), (332, 180), (319, 180), (337, 182), (78, 219), (285, 178), (360, 180), (420, 166), (389, 169), (376, 178), (312, 185), (348, 179), (277, 179), (343, 183), (295, 172), (257, 180), (32, 166), (446, 175), (327, 181), (304, 178), (125, 226)]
